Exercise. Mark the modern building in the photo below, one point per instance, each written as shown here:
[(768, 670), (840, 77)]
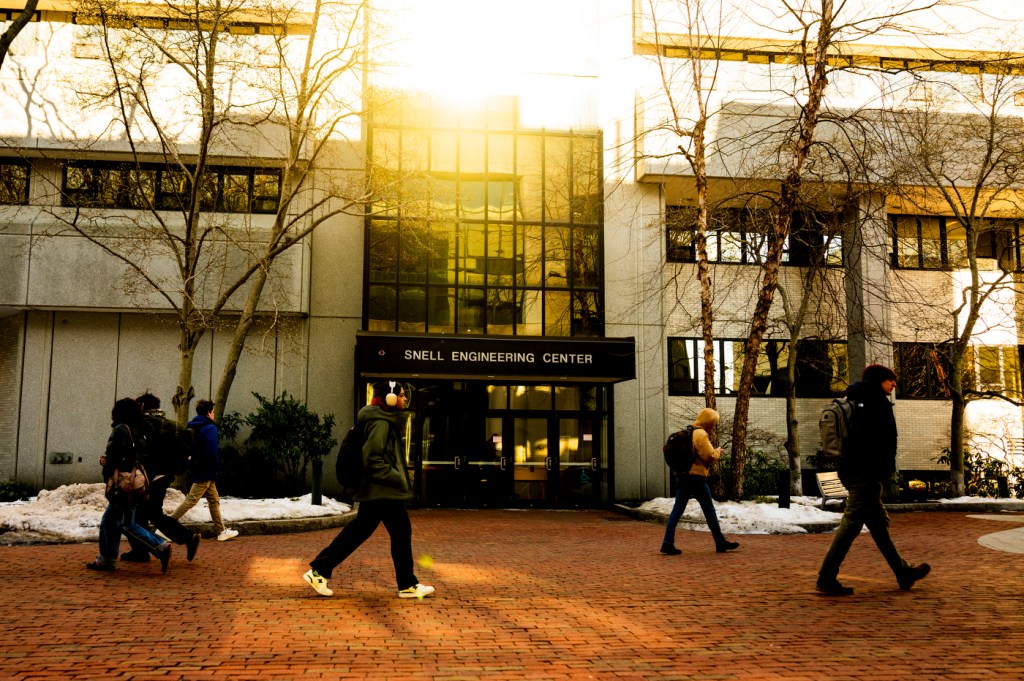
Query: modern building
[(525, 260)]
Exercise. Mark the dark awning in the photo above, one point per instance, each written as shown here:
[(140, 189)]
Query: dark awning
[(499, 358)]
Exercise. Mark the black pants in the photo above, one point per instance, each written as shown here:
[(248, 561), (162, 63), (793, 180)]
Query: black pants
[(152, 511), (369, 516)]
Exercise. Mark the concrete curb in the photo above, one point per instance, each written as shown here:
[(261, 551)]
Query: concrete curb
[(276, 525), (993, 506)]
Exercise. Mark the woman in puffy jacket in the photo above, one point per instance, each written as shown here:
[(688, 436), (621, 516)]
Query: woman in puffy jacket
[(694, 484), (122, 453)]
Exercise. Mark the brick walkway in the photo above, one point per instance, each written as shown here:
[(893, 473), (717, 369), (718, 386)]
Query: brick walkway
[(538, 595)]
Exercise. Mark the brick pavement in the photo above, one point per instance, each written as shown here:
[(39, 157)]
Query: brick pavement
[(523, 595)]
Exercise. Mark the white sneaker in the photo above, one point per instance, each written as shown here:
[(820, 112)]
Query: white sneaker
[(227, 534), (418, 591), (319, 583)]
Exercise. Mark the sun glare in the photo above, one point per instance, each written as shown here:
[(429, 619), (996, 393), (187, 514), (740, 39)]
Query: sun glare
[(469, 48)]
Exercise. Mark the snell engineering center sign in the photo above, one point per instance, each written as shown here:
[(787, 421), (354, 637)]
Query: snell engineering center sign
[(605, 360)]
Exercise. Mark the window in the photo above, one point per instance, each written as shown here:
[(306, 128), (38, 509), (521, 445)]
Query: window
[(143, 186), (13, 183), (922, 368), (997, 369), (932, 243), (482, 227), (822, 368), (741, 236)]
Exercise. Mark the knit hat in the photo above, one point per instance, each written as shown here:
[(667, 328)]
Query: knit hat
[(876, 373)]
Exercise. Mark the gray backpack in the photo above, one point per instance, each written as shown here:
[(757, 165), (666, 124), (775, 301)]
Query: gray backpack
[(834, 426)]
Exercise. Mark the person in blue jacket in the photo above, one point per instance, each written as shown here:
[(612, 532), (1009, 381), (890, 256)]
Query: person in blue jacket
[(381, 496), (205, 469)]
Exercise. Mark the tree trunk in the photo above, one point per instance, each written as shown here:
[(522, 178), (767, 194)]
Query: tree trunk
[(22, 20), (792, 433), (245, 323), (187, 344), (789, 195), (956, 438)]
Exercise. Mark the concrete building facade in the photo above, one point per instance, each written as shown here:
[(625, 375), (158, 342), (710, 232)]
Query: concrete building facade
[(519, 245)]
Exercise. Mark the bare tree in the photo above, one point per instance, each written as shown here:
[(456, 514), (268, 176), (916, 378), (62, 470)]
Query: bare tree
[(687, 88), (959, 150), (286, 92)]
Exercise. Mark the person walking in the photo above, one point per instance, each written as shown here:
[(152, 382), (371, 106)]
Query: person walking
[(122, 454), (867, 462), (205, 469), (161, 460), (694, 485), (381, 496)]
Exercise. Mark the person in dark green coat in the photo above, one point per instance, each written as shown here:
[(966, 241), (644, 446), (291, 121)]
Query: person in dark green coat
[(381, 496)]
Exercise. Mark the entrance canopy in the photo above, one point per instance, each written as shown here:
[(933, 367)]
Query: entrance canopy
[(504, 358)]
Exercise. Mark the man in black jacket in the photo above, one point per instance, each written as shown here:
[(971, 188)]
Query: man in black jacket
[(867, 462), (161, 461)]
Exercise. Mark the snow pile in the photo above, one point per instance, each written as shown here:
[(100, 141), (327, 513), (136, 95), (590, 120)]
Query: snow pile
[(71, 513), (748, 517)]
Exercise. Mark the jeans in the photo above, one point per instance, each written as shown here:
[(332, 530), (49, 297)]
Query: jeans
[(118, 518), (152, 511), (369, 516), (863, 507), (199, 490), (693, 487)]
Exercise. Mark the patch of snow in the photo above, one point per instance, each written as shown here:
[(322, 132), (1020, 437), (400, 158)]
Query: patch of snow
[(71, 513)]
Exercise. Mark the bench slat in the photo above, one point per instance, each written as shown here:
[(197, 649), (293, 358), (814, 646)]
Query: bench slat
[(831, 487)]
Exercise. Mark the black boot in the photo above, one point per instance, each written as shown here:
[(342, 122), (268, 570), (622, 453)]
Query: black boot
[(670, 550)]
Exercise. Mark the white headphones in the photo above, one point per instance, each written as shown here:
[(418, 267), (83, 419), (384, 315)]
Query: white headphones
[(391, 399)]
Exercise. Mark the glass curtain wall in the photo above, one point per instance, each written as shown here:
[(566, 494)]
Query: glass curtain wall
[(479, 226)]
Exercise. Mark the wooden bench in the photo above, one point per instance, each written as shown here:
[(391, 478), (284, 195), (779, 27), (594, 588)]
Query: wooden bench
[(831, 487)]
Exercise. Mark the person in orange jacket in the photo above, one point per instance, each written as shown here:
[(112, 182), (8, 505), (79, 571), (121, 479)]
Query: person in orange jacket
[(694, 485)]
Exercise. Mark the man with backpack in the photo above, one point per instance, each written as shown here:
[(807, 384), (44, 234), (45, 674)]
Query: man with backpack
[(867, 462), (204, 468), (381, 496), (162, 463), (692, 482)]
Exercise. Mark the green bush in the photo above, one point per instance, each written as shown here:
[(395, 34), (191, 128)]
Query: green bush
[(12, 490), (982, 473), (761, 473), (288, 436)]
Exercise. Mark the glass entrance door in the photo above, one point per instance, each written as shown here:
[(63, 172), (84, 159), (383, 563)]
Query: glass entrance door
[(479, 445), (582, 462)]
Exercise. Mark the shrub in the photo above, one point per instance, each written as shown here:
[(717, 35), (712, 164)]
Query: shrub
[(290, 436), (982, 473), (761, 473), (12, 490)]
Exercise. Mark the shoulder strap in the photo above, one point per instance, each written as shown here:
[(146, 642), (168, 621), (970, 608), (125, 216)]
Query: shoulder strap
[(125, 428)]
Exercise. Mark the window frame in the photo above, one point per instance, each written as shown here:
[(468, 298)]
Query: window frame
[(113, 178), (5, 182), (750, 243), (1007, 253), (771, 386)]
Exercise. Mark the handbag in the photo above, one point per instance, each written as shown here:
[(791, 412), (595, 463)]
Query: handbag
[(131, 485)]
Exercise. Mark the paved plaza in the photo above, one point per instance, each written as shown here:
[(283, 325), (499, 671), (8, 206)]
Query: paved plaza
[(524, 595)]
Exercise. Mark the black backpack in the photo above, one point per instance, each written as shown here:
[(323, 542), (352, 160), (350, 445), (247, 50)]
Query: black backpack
[(164, 451), (678, 451), (349, 466)]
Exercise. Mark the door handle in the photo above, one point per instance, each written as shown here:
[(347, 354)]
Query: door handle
[(593, 464), (504, 463), (547, 463), (458, 462)]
